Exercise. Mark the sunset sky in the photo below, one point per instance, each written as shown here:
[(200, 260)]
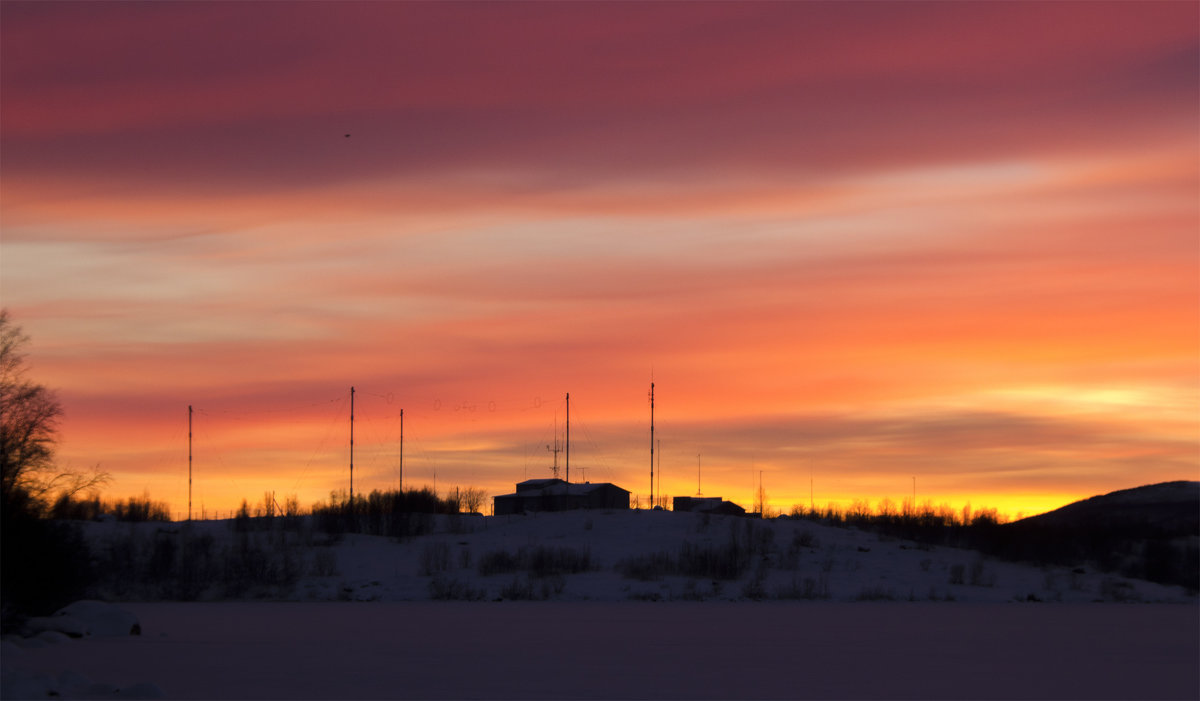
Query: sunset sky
[(851, 243)]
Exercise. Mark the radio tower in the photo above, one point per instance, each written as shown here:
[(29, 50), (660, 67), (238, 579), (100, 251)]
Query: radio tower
[(651, 445), (568, 437), (189, 462)]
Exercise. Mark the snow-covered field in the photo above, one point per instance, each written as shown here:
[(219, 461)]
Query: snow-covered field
[(540, 650), (816, 612)]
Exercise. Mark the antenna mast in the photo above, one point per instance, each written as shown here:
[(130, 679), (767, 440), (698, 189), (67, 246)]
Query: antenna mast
[(352, 446), (568, 437), (402, 451), (698, 492), (651, 445), (189, 462), (556, 450)]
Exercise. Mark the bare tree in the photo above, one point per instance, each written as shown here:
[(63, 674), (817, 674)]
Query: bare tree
[(29, 417), (472, 499)]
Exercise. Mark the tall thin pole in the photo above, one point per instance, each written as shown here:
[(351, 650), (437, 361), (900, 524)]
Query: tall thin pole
[(698, 492), (568, 437), (189, 462), (651, 445), (556, 450), (660, 468), (352, 446), (401, 451)]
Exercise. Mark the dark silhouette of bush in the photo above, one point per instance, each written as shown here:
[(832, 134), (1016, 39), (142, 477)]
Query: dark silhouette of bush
[(727, 561), (91, 508), (182, 563), (392, 513), (435, 557), (531, 590), (806, 589), (546, 561), (45, 564), (540, 562), (518, 590), (648, 567), (498, 562), (448, 589)]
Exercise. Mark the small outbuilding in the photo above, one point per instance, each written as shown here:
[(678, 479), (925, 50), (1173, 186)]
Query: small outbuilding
[(553, 494), (707, 505)]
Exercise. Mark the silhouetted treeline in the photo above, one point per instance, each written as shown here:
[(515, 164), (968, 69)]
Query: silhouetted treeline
[(93, 508), (925, 522), (394, 513)]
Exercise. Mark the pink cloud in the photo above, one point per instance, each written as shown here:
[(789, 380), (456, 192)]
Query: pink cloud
[(580, 93)]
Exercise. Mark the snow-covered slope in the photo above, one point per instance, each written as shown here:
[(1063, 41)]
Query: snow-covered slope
[(639, 555)]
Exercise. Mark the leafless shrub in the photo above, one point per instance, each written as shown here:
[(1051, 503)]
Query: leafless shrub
[(449, 589), (808, 588), (876, 592), (713, 561), (435, 557), (755, 587), (324, 562), (549, 561), (647, 567), (518, 590), (981, 576), (540, 562), (498, 562)]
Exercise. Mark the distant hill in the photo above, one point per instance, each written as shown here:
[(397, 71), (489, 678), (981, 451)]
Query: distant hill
[(1150, 532), (1167, 509)]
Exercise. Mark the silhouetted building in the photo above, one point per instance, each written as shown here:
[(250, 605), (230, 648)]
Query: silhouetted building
[(557, 495), (707, 505)]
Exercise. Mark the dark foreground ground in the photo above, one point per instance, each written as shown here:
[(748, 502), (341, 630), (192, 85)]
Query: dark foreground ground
[(646, 650)]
